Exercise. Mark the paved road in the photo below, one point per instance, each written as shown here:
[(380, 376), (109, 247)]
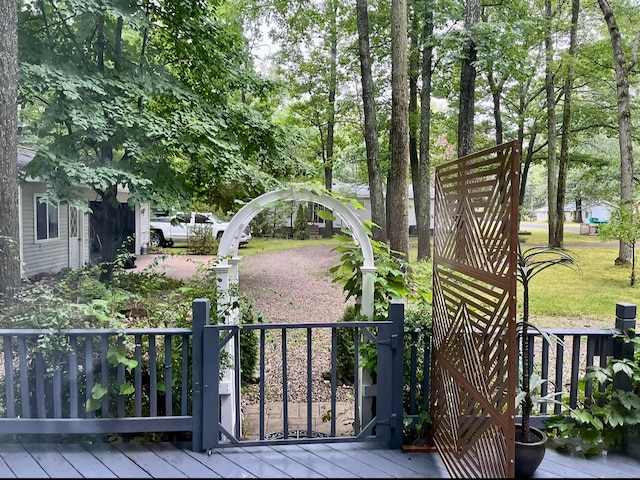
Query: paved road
[(567, 228)]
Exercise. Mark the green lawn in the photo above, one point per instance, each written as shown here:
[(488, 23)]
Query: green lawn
[(560, 297)]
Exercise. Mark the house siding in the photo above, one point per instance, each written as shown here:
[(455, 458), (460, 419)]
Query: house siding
[(52, 256), (48, 256)]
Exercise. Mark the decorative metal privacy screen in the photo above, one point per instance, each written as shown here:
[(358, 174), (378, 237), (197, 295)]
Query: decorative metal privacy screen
[(474, 312)]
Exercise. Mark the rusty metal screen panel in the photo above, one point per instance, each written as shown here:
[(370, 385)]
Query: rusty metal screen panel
[(474, 312)]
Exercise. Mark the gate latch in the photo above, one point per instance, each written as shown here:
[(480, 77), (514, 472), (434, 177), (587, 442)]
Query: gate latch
[(392, 421), (391, 342)]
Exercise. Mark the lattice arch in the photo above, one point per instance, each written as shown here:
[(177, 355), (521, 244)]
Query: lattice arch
[(227, 268)]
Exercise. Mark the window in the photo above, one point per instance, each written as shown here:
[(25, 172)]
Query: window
[(46, 219)]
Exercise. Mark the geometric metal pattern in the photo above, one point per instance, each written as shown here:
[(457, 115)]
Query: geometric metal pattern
[(474, 313)]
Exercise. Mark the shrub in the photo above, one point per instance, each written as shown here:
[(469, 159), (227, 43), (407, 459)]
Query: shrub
[(249, 342), (601, 420), (301, 225)]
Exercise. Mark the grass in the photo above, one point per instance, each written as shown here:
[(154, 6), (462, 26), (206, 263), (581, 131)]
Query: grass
[(563, 298), (560, 297)]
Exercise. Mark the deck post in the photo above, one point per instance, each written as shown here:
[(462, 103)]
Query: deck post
[(625, 322), (389, 411), (396, 315), (200, 319)]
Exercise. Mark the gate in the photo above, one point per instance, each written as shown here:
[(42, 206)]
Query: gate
[(215, 426), (474, 312)]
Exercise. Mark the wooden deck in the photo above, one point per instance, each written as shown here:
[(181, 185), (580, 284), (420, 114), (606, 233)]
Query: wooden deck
[(319, 460)]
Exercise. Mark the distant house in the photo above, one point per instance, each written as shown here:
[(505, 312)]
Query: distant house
[(590, 210), (58, 237), (361, 194)]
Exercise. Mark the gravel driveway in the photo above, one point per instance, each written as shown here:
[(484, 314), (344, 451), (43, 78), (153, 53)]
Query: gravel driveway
[(295, 286), (287, 286)]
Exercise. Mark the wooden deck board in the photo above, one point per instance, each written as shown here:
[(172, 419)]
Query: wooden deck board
[(352, 464), (324, 468), (155, 465), (317, 460), (390, 469), (21, 463), (285, 464), (428, 465), (85, 463), (47, 454), (5, 470), (182, 460), (221, 465), (116, 461)]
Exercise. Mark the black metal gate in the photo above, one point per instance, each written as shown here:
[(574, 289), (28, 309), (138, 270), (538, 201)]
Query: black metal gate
[(218, 425)]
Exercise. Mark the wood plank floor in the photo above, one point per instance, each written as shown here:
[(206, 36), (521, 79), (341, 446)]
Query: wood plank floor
[(321, 460)]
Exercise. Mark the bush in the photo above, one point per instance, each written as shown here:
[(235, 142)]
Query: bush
[(301, 224), (249, 341), (345, 356), (202, 241)]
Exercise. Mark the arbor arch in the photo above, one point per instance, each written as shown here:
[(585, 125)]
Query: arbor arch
[(227, 267)]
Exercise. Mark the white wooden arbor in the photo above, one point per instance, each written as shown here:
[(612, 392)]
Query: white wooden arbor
[(228, 261)]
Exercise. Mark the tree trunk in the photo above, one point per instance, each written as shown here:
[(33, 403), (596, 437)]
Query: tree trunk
[(376, 189), (423, 213), (328, 166), (563, 165), (466, 112), (552, 169), (624, 120), (414, 71), (496, 94), (9, 187), (397, 196)]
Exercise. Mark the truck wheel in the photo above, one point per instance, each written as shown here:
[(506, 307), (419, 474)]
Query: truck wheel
[(156, 239)]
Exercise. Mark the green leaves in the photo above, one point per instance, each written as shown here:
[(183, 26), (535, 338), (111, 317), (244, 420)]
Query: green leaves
[(599, 421), (115, 356), (118, 355), (537, 259), (174, 112)]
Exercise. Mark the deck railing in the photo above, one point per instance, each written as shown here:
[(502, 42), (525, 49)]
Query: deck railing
[(95, 381), (564, 362), (141, 380)]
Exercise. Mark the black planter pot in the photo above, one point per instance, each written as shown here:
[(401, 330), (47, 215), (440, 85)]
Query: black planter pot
[(529, 455)]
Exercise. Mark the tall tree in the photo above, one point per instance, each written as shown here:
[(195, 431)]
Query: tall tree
[(552, 164), (397, 192), (9, 188), (423, 210), (414, 115), (150, 97), (563, 164), (332, 18), (624, 119), (376, 188), (466, 111)]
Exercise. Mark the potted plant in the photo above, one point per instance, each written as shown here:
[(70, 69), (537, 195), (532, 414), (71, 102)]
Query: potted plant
[(530, 441)]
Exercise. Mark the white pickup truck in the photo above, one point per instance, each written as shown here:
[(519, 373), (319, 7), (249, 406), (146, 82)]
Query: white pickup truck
[(165, 231)]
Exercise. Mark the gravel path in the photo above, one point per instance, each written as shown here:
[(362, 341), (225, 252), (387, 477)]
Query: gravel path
[(295, 286), (287, 286)]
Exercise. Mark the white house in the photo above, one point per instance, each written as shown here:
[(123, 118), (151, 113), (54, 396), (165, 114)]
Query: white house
[(361, 194), (57, 237), (600, 210)]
